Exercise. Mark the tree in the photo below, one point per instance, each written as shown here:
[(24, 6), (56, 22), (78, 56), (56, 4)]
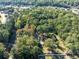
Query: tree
[(25, 48), (72, 43), (50, 43), (4, 33), (1, 50)]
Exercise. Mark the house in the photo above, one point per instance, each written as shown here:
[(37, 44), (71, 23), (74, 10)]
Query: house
[(75, 11), (3, 17)]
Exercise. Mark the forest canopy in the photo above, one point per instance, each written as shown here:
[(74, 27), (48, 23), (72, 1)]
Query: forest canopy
[(30, 31), (38, 21)]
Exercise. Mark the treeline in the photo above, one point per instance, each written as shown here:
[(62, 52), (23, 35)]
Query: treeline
[(60, 3)]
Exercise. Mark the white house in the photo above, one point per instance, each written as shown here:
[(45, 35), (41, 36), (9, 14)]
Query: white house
[(3, 17), (74, 10)]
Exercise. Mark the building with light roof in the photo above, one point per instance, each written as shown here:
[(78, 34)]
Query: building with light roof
[(3, 17)]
